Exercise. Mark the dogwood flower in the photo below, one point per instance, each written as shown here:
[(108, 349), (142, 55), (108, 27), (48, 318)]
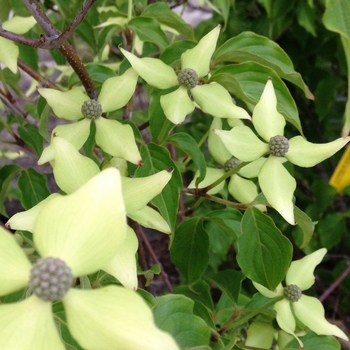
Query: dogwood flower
[(195, 63), (9, 51), (113, 137), (71, 171), (275, 181), (295, 304), (75, 235)]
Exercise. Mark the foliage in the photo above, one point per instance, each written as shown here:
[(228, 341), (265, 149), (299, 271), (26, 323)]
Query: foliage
[(215, 214)]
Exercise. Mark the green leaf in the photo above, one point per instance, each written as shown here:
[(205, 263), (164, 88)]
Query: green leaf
[(33, 187), (264, 254), (43, 110), (229, 282), (336, 17), (172, 54), (306, 17), (188, 145), (313, 341), (224, 7), (31, 136), (98, 73), (190, 249), (249, 46), (174, 314), (199, 291), (247, 82), (7, 172), (148, 30), (156, 158), (160, 126), (306, 224), (161, 12), (331, 229)]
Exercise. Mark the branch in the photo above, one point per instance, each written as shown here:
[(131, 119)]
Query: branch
[(52, 33)]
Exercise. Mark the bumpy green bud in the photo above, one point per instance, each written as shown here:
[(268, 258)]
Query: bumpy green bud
[(50, 279), (292, 293), (87, 57), (138, 8), (188, 78), (279, 145), (231, 163), (64, 80), (91, 109)]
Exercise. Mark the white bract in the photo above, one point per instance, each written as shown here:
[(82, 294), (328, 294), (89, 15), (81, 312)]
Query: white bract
[(308, 310), (211, 98), (84, 230), (275, 181), (113, 137)]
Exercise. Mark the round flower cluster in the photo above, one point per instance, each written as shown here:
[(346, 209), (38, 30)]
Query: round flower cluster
[(91, 109), (188, 78), (50, 279), (292, 293), (279, 145)]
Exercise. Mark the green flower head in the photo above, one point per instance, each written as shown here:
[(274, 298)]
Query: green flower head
[(212, 98), (113, 137), (295, 304), (75, 235), (275, 181)]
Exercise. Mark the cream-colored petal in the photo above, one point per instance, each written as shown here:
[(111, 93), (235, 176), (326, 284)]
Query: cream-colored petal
[(75, 133), (307, 154), (112, 318), (301, 272), (267, 121), (216, 147), (150, 218), (138, 191), (285, 317), (154, 71), (117, 91), (9, 54), (252, 169), (278, 187), (28, 325), (278, 292), (123, 264), (199, 57), (245, 191), (14, 265), (117, 139), (19, 25), (242, 143), (215, 100), (66, 105), (211, 176), (310, 312), (48, 155), (25, 220), (260, 335), (86, 227), (177, 105), (70, 168)]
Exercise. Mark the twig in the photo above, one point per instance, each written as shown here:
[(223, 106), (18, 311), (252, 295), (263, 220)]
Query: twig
[(52, 34), (150, 250), (34, 74), (335, 284)]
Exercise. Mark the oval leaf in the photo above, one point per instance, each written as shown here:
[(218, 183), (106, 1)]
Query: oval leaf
[(264, 254)]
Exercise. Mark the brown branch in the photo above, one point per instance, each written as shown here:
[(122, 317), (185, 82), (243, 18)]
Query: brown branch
[(139, 231), (34, 74), (52, 34), (335, 284)]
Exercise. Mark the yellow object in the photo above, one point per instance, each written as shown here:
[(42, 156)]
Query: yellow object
[(341, 176)]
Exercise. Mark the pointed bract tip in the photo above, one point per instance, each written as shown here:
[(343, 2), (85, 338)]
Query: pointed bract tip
[(140, 163), (8, 226), (170, 170)]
